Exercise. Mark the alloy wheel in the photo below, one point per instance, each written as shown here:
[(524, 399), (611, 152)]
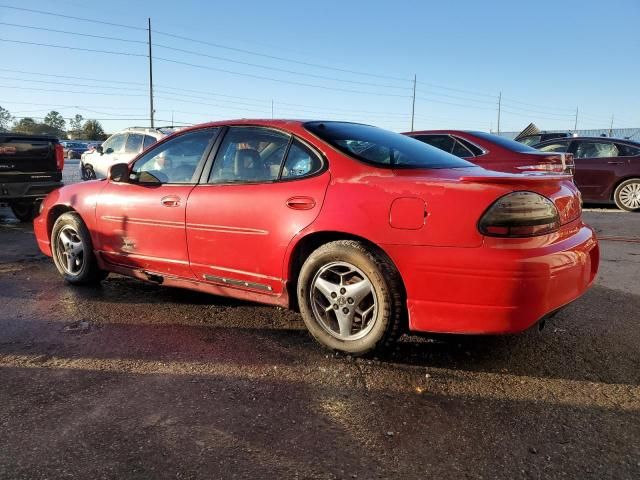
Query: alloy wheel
[(70, 250), (629, 195), (344, 301)]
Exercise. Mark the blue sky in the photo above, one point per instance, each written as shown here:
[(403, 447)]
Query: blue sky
[(547, 58)]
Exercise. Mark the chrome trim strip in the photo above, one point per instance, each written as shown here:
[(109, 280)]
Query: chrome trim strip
[(226, 229), (231, 270), (143, 221), (236, 283)]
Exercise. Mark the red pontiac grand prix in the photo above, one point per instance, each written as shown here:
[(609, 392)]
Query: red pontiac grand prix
[(368, 232)]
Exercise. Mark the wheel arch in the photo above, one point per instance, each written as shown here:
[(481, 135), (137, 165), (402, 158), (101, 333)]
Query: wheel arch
[(310, 242), (55, 212)]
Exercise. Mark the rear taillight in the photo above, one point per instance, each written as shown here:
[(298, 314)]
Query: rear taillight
[(59, 157), (520, 214), (558, 163)]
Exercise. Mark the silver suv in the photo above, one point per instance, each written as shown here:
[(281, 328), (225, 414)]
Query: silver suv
[(121, 147)]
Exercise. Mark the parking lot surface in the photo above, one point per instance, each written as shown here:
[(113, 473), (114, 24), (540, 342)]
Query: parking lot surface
[(130, 380)]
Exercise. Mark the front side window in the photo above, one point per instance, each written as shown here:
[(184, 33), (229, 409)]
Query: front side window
[(114, 144), (133, 143), (176, 160), (382, 147), (559, 147), (249, 154), (596, 150)]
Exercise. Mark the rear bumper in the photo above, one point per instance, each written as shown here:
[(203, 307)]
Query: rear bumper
[(26, 190), (500, 287)]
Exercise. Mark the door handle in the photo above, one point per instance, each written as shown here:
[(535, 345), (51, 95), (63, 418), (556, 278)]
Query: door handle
[(616, 163), (301, 203), (170, 201)]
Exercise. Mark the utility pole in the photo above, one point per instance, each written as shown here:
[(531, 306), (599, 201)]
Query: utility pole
[(413, 105), (499, 108), (150, 78), (611, 127), (575, 124), (272, 109)]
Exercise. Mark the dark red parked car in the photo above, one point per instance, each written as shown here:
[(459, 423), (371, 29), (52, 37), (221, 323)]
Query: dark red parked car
[(494, 152), (607, 169), (367, 231)]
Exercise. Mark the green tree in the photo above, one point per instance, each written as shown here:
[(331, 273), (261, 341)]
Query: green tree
[(54, 120), (30, 126), (92, 130), (5, 119), (75, 124)]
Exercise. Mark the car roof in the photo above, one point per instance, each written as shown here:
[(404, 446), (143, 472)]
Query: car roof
[(593, 139)]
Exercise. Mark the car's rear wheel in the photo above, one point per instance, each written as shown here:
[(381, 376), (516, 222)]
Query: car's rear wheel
[(351, 297), (25, 211), (73, 251), (627, 195)]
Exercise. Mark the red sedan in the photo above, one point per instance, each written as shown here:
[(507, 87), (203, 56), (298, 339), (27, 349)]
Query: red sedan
[(495, 152), (368, 232)]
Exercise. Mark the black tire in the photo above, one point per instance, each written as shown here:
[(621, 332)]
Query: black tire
[(627, 195), (387, 324), (88, 272), (87, 172), (25, 211)]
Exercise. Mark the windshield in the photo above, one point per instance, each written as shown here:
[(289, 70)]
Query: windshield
[(504, 142), (382, 147)]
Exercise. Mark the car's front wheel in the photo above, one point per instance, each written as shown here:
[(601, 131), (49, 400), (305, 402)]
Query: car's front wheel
[(73, 251), (351, 297), (627, 195)]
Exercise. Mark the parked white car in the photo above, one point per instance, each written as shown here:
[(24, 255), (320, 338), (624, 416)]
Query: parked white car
[(120, 147)]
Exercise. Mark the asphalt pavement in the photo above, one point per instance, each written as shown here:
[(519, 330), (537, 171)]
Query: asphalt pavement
[(131, 380)]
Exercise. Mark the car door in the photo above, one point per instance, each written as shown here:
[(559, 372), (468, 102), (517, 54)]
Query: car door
[(263, 188), (141, 222), (597, 166)]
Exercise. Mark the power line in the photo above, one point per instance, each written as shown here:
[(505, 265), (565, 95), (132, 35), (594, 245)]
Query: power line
[(290, 82), (66, 32), (70, 84), (66, 47), (69, 91), (74, 77), (100, 22)]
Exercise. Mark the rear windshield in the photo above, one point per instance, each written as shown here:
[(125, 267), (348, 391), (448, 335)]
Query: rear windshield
[(382, 147), (504, 142)]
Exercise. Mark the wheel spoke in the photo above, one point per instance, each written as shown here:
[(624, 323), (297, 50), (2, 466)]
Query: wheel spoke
[(76, 248), (71, 262), (345, 322), (66, 239), (326, 288), (358, 291)]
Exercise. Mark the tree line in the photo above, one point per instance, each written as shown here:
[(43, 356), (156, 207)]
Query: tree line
[(53, 124)]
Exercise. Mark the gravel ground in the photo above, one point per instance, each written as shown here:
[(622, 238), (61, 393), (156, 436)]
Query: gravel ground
[(131, 380)]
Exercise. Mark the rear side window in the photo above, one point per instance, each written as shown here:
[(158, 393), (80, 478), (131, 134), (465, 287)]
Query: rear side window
[(249, 154), (301, 161), (134, 143), (459, 150), (596, 150), (148, 141), (443, 142), (382, 147), (628, 150), (504, 142)]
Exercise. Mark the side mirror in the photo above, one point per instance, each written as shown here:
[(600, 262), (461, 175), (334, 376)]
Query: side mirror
[(108, 151), (99, 149), (119, 173)]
